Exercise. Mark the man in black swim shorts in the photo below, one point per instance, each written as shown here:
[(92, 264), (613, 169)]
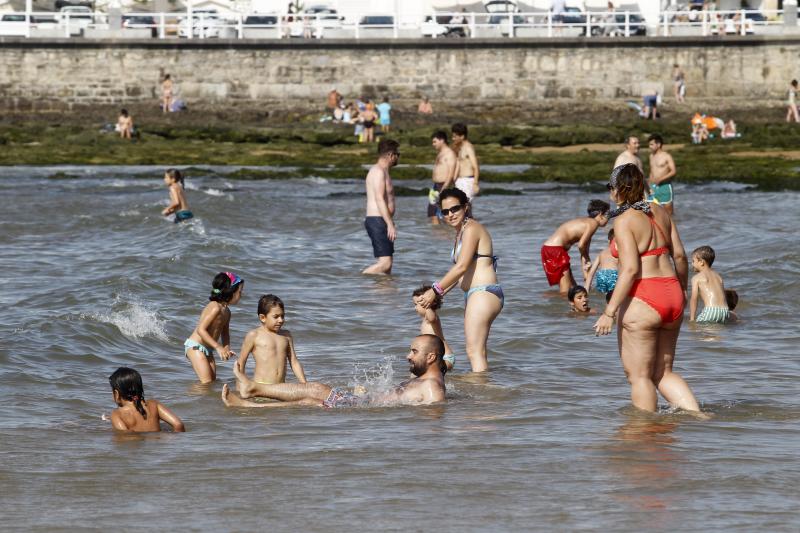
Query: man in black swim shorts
[(379, 221)]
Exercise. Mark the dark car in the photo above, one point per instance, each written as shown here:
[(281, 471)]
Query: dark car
[(377, 20), (142, 22), (261, 20), (573, 15), (499, 20), (67, 3)]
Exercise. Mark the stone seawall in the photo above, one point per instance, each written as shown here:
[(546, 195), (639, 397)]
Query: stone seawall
[(61, 73)]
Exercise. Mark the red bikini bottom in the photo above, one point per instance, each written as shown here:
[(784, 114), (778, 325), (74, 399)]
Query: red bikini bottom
[(664, 295)]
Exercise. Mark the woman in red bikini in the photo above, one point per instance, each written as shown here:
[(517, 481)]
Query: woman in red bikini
[(653, 272)]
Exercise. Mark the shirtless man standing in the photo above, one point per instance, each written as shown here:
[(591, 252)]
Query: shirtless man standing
[(380, 208), (426, 363), (467, 169), (630, 154), (555, 255), (443, 173), (662, 170)]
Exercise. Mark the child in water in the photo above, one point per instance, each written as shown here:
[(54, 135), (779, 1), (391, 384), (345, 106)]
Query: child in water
[(177, 200), (270, 345), (136, 414), (214, 322), (708, 285), (430, 323), (579, 300), (604, 270)]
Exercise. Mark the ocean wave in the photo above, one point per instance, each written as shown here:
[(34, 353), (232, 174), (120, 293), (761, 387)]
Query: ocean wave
[(133, 318)]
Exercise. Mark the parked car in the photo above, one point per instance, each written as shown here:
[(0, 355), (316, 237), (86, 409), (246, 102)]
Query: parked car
[(377, 21), (573, 15), (325, 17), (13, 24), (206, 23), (80, 17), (141, 22), (266, 21), (502, 20), (636, 24)]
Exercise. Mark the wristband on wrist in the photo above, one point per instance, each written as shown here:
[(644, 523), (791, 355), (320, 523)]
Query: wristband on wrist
[(605, 313), (437, 288)]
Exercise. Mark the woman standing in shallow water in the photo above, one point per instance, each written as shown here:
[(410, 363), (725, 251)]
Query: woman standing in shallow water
[(649, 295), (474, 268)]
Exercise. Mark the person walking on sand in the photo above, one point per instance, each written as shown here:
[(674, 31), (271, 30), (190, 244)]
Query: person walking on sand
[(443, 173), (662, 170), (630, 154), (791, 112), (649, 294), (166, 93), (379, 221), (467, 169), (679, 83)]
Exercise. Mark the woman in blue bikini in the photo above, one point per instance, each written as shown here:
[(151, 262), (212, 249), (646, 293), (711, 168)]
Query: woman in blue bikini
[(474, 270)]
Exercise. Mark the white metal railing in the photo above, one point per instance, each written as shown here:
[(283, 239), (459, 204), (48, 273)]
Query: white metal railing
[(205, 25)]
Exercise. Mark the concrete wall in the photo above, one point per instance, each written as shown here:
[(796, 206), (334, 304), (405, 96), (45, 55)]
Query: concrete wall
[(58, 73)]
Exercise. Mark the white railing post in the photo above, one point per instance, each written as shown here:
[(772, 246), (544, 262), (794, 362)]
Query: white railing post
[(394, 26), (189, 20), (66, 26), (588, 24), (743, 22), (549, 23), (627, 24), (202, 25), (358, 23), (704, 18), (666, 23), (240, 26), (279, 26), (162, 30), (472, 25)]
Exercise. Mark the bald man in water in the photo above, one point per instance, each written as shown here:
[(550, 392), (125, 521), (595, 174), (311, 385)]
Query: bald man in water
[(630, 154), (425, 360)]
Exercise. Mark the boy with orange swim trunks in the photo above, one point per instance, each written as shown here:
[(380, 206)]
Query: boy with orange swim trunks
[(555, 256)]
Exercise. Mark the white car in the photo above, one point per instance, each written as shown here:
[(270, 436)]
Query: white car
[(206, 24), (13, 24), (77, 16)]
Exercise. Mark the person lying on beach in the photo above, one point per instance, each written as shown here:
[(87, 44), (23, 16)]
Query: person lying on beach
[(709, 286), (214, 324), (430, 322), (555, 258), (425, 358), (135, 414), (177, 199), (579, 300), (603, 271), (270, 345)]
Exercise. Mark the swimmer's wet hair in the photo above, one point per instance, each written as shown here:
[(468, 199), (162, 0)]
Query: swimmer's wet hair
[(576, 290), (128, 383), (454, 193), (267, 302), (440, 134), (459, 128), (706, 253), (731, 298), (657, 138), (176, 175), (597, 207), (388, 147), (611, 235), (437, 301), (221, 290), (628, 181)]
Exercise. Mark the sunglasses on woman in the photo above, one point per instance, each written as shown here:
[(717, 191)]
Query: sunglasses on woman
[(455, 209)]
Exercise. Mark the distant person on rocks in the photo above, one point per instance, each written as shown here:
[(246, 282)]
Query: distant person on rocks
[(425, 360), (370, 117), (662, 170), (650, 110), (679, 83), (555, 255), (630, 154), (708, 285), (124, 124), (379, 221), (791, 112), (729, 130), (166, 94), (333, 99), (444, 169), (177, 199), (467, 169), (425, 107), (385, 110)]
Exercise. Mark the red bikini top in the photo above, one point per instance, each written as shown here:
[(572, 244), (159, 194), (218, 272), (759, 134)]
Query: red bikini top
[(655, 251)]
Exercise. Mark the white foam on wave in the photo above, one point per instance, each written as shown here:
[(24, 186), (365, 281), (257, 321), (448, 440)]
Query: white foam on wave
[(316, 180), (133, 318), (376, 378)]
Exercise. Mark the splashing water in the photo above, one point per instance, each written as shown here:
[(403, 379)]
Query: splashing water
[(133, 318), (375, 379)]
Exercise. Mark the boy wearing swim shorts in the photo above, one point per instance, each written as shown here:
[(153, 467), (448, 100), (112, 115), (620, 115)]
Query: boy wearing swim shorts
[(379, 221), (467, 169), (662, 170), (272, 347), (555, 255), (708, 285)]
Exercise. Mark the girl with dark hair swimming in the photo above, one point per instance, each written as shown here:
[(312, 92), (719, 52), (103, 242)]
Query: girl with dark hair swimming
[(135, 413), (474, 269), (649, 293), (214, 325)]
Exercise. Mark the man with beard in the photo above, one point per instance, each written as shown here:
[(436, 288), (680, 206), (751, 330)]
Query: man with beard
[(425, 360), (379, 221), (630, 154)]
